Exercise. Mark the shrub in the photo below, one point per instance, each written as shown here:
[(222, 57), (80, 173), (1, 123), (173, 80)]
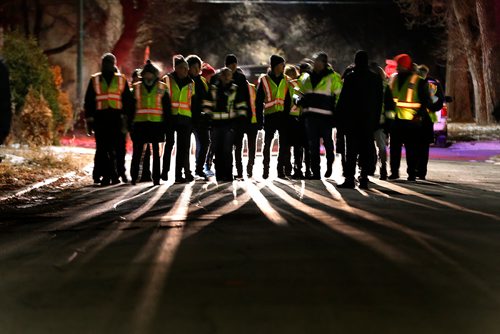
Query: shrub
[(34, 124), (64, 120), (29, 69)]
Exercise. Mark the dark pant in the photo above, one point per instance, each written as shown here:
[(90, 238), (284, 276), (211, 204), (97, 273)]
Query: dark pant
[(426, 136), (276, 122), (318, 126), (358, 145), (108, 142), (404, 133), (139, 156), (202, 136), (183, 130), (121, 152), (222, 145), (251, 131), (145, 173), (341, 147), (298, 139)]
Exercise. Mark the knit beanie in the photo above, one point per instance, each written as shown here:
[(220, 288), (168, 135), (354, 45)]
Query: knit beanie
[(276, 60), (322, 57), (179, 59), (149, 67), (404, 61), (361, 59), (231, 59)]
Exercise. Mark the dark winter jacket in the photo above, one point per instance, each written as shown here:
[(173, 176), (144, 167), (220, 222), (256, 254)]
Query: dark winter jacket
[(201, 91), (104, 119), (360, 101)]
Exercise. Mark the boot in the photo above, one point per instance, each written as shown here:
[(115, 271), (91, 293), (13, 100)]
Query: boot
[(265, 173), (383, 173), (249, 171)]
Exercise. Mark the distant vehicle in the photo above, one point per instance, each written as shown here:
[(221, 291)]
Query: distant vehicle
[(254, 72), (441, 126)]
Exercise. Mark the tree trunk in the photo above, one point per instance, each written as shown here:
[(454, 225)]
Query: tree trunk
[(466, 16), (486, 13), (458, 82)]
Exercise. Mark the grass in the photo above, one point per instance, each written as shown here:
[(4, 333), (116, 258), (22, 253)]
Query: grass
[(37, 165)]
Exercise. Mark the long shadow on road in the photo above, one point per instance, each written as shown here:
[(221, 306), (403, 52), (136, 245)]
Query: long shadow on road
[(258, 257)]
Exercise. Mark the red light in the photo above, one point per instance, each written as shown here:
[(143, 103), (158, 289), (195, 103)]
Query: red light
[(444, 111)]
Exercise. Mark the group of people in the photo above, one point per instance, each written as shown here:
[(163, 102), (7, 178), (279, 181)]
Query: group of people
[(303, 103)]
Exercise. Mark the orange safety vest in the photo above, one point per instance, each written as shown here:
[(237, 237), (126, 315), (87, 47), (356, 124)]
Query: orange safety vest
[(109, 97)]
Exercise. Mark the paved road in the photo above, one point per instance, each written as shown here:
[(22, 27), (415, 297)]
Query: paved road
[(259, 256)]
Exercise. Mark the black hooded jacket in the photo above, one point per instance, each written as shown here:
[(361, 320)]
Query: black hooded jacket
[(360, 101)]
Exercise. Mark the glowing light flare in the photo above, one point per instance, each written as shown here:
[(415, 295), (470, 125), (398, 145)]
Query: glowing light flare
[(264, 205), (163, 260)]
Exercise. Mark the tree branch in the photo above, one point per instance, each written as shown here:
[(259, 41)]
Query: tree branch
[(59, 49)]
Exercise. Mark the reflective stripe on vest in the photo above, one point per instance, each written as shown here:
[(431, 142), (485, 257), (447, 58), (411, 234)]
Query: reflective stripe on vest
[(275, 95), (294, 110), (252, 94), (108, 97), (149, 106), (180, 99), (406, 97), (330, 85), (232, 110)]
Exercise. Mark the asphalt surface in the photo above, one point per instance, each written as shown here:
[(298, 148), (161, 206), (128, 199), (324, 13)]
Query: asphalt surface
[(258, 256)]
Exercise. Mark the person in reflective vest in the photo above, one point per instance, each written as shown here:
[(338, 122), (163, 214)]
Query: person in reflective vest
[(427, 134), (201, 121), (411, 96), (227, 108), (251, 128), (273, 107), (247, 127), (386, 118), (108, 101), (181, 90), (294, 125), (145, 172), (319, 94), (149, 119)]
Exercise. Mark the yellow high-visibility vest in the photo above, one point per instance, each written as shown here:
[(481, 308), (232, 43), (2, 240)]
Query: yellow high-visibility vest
[(252, 93), (180, 99), (275, 94), (108, 96), (149, 107), (294, 86), (406, 97), (329, 85)]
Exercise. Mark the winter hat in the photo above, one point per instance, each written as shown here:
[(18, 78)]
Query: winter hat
[(404, 61), (361, 59), (179, 59), (108, 57), (276, 60), (149, 67), (231, 59), (321, 56)]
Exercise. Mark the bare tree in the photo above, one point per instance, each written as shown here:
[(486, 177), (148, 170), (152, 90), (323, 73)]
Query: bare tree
[(473, 25)]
